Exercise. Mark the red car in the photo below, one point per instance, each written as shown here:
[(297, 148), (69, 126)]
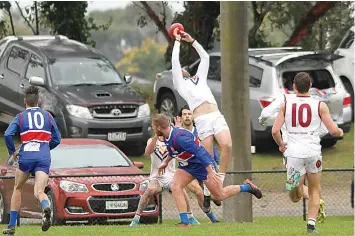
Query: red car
[(95, 199)]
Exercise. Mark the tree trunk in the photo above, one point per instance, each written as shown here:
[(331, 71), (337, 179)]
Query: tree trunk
[(157, 21), (307, 22), (235, 103), (37, 21), (11, 21)]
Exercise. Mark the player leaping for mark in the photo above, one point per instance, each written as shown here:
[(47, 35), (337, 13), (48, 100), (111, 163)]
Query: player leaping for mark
[(302, 116), (39, 134), (209, 121), (194, 163), (270, 112)]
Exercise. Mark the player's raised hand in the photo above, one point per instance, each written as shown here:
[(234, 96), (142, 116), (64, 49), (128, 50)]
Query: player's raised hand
[(161, 169), (176, 34), (15, 156), (186, 37), (177, 121)]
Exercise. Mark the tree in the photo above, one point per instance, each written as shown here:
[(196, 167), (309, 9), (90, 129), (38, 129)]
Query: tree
[(235, 102), (6, 7), (69, 19)]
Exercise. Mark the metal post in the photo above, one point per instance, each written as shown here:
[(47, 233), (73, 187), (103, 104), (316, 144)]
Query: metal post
[(304, 205), (160, 208)]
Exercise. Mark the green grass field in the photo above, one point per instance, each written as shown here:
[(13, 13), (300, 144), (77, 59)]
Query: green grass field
[(264, 226)]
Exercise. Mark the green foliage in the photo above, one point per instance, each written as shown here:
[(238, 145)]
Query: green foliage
[(68, 18), (144, 61), (199, 20)]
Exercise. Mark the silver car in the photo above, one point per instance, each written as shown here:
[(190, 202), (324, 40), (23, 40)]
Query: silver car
[(271, 71)]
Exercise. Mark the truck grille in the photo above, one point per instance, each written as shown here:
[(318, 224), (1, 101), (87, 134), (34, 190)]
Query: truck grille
[(97, 131), (114, 111), (114, 187), (98, 204)]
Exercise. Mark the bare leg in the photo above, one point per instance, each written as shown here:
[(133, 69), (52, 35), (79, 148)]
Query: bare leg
[(297, 193), (41, 181), (314, 195), (153, 189), (196, 189), (224, 140), (181, 179)]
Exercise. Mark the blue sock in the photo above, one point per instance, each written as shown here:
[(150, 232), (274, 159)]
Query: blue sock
[(13, 218), (212, 217), (184, 219), (44, 203), (245, 188)]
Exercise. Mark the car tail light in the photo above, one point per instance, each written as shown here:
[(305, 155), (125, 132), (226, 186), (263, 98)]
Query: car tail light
[(265, 102), (347, 100)]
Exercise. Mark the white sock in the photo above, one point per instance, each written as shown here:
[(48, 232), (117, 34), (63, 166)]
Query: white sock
[(206, 192), (137, 217), (222, 176), (311, 221), (190, 215)]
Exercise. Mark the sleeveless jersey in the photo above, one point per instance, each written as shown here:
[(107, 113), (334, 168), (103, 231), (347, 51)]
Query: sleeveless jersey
[(159, 153), (302, 120)]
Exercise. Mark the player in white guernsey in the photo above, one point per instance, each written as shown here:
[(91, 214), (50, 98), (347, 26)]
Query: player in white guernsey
[(209, 121), (302, 116), (271, 111), (156, 149)]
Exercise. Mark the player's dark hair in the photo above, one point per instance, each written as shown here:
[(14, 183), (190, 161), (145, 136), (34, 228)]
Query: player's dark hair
[(302, 82), (32, 96), (161, 120), (186, 107)]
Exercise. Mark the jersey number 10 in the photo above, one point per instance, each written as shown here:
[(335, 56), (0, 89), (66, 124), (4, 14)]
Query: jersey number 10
[(36, 119), (297, 114)]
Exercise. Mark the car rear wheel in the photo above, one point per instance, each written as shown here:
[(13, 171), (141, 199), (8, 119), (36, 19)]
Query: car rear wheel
[(55, 220), (327, 143), (168, 106), (149, 220), (4, 215)]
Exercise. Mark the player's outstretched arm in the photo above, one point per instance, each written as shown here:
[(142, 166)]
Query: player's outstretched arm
[(175, 63), (272, 110), (11, 131), (280, 120), (328, 121), (150, 145), (202, 70), (55, 134)]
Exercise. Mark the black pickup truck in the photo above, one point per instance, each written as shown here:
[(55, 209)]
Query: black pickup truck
[(79, 86)]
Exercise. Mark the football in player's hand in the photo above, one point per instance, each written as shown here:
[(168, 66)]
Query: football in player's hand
[(172, 28)]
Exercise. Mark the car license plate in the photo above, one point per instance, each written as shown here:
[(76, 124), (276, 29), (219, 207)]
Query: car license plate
[(117, 136), (116, 205)]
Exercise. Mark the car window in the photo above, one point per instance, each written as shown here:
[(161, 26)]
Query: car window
[(321, 79), (17, 60), (214, 72), (35, 68), (347, 40), (84, 156), (255, 76)]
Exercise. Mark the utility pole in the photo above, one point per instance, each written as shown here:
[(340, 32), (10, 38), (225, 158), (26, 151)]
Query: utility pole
[(235, 102)]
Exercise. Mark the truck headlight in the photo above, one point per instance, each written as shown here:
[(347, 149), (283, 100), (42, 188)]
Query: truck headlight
[(143, 185), (72, 187), (144, 110), (78, 111)]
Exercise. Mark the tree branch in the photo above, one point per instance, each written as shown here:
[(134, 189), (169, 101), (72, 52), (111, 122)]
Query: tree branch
[(137, 5), (305, 24), (36, 16), (23, 16), (164, 14)]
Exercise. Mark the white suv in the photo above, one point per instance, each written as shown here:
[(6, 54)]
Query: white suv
[(344, 67)]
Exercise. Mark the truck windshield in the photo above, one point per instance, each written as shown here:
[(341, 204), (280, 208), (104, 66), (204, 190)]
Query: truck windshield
[(85, 71)]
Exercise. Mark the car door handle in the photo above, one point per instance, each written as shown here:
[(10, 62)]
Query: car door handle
[(2, 76), (22, 86)]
